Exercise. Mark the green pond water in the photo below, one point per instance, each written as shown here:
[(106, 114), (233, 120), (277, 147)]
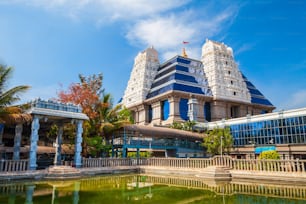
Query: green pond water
[(147, 189)]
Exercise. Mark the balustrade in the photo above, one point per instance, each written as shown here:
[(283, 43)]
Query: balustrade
[(189, 163), (236, 164), (14, 165)]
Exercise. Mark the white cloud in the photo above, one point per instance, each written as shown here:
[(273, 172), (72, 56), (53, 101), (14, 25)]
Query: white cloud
[(166, 32), (162, 32), (244, 47), (104, 11), (296, 100), (161, 23)]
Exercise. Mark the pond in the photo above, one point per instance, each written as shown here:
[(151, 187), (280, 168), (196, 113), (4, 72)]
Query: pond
[(148, 189)]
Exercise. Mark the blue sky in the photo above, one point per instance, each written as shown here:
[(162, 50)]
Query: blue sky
[(50, 42)]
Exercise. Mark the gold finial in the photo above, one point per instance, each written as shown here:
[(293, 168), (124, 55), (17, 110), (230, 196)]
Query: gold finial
[(184, 54)]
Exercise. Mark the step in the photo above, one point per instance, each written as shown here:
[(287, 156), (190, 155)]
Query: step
[(62, 172)]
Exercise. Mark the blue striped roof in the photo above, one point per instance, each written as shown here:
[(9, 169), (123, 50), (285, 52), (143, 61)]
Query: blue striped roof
[(256, 96), (180, 74)]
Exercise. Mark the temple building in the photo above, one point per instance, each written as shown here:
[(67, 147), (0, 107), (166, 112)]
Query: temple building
[(182, 89)]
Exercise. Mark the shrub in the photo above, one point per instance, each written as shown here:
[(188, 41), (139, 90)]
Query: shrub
[(271, 154)]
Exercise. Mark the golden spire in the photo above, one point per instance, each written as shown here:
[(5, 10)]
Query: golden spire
[(184, 54)]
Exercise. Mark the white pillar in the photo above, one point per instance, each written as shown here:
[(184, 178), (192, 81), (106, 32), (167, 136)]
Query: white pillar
[(58, 146), (33, 145), (192, 109), (17, 141), (78, 144)]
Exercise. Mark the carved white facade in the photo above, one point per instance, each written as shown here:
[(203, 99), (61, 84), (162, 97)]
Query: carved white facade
[(143, 73), (224, 77)]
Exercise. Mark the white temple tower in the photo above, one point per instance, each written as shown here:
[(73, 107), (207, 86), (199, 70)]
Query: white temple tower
[(141, 78), (224, 77)]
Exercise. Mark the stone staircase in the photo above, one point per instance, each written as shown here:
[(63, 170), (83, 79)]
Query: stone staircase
[(62, 172), (217, 173)]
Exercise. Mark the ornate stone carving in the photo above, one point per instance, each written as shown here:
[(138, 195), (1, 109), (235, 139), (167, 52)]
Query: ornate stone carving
[(223, 74), (142, 76)]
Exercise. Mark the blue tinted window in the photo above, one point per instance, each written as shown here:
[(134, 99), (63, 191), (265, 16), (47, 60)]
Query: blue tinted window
[(281, 131)]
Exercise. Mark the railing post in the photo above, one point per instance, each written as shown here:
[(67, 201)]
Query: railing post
[(298, 167)]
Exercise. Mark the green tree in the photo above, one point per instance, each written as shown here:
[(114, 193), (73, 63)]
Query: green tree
[(97, 146), (212, 141), (111, 118), (188, 125), (10, 114), (98, 105), (271, 154)]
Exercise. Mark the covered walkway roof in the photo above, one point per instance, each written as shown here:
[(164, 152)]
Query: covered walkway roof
[(56, 111), (164, 132)]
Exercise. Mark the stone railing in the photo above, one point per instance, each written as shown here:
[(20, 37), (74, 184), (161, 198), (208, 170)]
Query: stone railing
[(108, 162), (235, 164), (14, 165), (270, 165)]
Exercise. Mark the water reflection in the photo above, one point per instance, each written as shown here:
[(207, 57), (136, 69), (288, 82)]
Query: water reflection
[(29, 194), (149, 189)]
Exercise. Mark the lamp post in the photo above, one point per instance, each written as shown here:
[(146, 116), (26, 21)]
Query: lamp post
[(222, 126), (221, 146)]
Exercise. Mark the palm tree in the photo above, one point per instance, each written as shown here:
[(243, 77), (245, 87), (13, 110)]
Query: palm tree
[(11, 114), (112, 118), (108, 120), (10, 96)]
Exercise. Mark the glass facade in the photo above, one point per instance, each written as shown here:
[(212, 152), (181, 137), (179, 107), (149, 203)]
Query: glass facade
[(290, 130)]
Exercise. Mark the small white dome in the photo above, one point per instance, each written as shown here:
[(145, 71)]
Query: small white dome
[(230, 50)]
